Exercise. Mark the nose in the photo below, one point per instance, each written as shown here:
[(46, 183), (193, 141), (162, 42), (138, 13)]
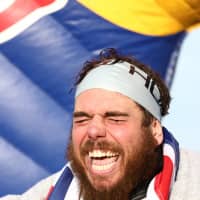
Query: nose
[(96, 128)]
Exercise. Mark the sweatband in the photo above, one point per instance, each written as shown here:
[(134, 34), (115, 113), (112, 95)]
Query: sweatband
[(126, 79)]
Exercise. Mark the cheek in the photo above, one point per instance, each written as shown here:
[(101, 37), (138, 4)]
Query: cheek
[(78, 135), (75, 143), (127, 138), (123, 135)]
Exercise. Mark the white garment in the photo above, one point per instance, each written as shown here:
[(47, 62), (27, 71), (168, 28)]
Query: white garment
[(186, 187)]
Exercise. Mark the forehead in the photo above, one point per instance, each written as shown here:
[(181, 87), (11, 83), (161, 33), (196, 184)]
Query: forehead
[(98, 99)]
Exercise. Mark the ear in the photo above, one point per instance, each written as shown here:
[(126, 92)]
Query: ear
[(157, 131)]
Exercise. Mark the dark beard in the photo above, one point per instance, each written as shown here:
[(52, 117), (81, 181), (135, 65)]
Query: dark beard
[(143, 165)]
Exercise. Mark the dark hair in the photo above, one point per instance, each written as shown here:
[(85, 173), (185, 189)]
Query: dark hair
[(111, 55)]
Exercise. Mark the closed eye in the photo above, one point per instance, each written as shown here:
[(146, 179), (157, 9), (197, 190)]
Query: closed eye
[(81, 117), (81, 121), (116, 117), (116, 120)]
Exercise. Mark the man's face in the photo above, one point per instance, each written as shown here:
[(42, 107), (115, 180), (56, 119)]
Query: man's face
[(107, 133)]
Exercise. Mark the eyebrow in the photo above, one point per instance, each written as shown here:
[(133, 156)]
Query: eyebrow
[(107, 114), (81, 114), (115, 114)]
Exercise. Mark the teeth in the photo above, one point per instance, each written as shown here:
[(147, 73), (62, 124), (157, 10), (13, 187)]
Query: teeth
[(102, 160), (100, 154), (102, 167)]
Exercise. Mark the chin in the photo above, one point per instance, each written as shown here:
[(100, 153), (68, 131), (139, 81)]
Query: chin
[(102, 183), (102, 186)]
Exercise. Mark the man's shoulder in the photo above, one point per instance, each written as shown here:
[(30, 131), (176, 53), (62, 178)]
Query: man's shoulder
[(189, 161), (187, 181), (39, 191)]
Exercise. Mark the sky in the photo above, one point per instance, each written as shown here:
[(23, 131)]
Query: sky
[(183, 119)]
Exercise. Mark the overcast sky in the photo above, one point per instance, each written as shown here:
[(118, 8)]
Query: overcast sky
[(184, 118)]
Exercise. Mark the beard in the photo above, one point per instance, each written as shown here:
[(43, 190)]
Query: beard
[(144, 162)]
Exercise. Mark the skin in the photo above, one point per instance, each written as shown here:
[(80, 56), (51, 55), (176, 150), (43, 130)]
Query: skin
[(102, 115)]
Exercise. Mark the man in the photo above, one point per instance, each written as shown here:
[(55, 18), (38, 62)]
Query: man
[(151, 30), (118, 148)]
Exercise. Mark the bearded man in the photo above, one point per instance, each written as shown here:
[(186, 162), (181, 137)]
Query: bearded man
[(118, 148)]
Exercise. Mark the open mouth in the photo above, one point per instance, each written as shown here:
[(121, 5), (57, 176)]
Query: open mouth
[(102, 162)]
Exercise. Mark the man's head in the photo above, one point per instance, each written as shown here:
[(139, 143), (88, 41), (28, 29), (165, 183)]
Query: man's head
[(116, 135)]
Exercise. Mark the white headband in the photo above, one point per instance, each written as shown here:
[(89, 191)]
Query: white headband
[(126, 79)]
